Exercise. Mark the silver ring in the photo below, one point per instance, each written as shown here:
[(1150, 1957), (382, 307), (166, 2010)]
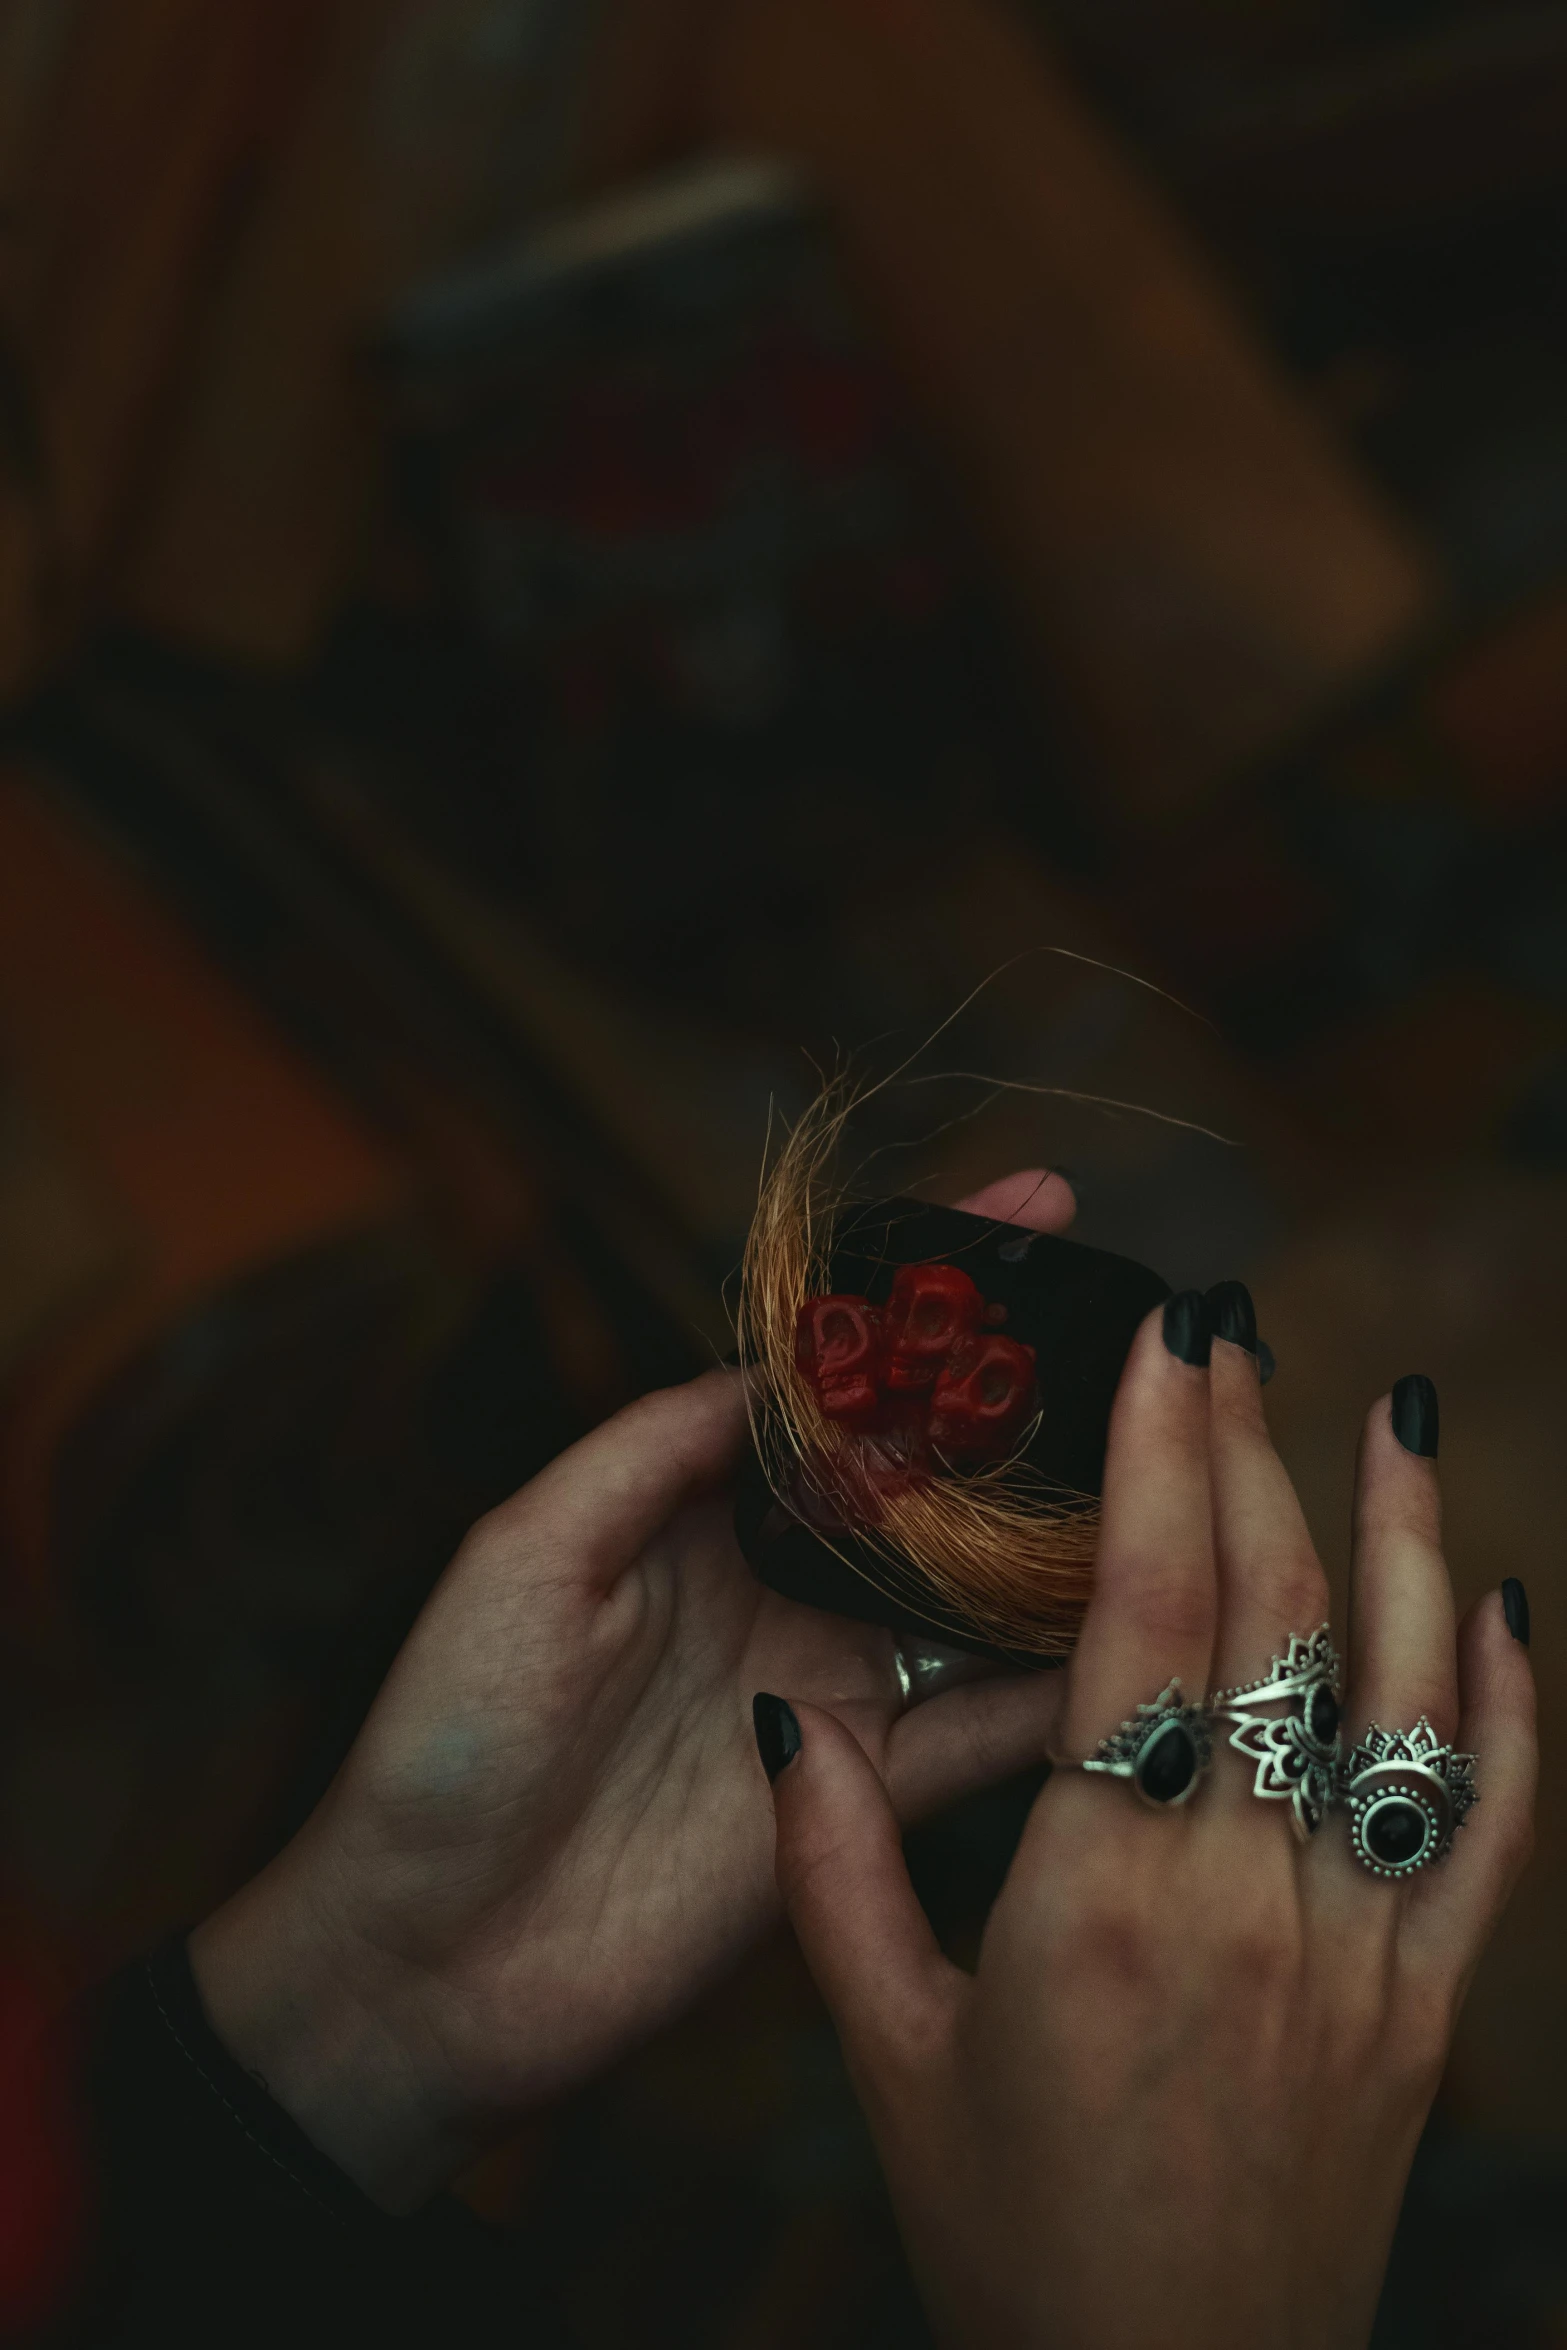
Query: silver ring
[(900, 1665), (927, 1668), (1297, 1750), (1407, 1796), (1164, 1749)]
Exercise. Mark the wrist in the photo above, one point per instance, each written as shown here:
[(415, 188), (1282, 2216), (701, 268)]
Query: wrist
[(333, 2032)]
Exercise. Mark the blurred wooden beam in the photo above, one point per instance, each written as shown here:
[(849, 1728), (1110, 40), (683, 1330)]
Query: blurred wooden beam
[(1411, 131), (412, 134), (646, 97), (1201, 567), (265, 472), (123, 181)]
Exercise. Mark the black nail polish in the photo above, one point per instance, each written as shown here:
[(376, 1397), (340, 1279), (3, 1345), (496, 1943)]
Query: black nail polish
[(1186, 1331), (777, 1732), (1232, 1315), (1515, 1607), (1416, 1421)]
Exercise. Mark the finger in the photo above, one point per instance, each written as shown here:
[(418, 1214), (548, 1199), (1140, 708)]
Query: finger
[(1401, 1600), (1036, 1198), (1271, 1583), (592, 1510), (846, 1888), (1151, 1618), (1453, 1906), (972, 1737)]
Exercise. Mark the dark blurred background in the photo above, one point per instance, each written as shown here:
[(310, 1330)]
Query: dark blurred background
[(562, 563)]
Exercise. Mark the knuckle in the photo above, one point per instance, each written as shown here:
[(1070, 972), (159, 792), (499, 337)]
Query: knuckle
[(497, 1530), (1176, 1604), (1424, 2020), (1264, 1953), (509, 1557), (645, 1414), (906, 2039), (1295, 1588), (1105, 1938), (516, 1539), (985, 1749), (517, 1514), (691, 1424)]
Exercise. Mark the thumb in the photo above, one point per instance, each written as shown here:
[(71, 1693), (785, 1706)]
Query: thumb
[(596, 1506), (841, 1871)]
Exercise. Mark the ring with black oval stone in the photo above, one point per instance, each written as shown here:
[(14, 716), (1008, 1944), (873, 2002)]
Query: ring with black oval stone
[(1407, 1793), (1399, 1825), (1320, 1713), (1164, 1749)]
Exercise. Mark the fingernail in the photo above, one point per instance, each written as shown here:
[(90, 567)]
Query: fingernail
[(1416, 1420), (777, 1732), (1232, 1314), (1515, 1607), (1266, 1366), (1186, 1331)]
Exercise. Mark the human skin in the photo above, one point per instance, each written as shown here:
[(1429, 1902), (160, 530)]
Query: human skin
[(552, 1832), (1178, 2100)]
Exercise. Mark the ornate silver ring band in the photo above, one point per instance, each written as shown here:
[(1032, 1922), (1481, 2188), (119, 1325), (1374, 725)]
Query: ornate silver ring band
[(1294, 1745), (1164, 1749)]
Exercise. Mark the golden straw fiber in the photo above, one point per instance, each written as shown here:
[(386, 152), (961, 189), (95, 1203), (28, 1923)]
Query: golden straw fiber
[(1007, 1557)]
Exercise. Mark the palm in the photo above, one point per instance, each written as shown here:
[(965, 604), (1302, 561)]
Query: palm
[(555, 1813), (597, 1842), (668, 1862)]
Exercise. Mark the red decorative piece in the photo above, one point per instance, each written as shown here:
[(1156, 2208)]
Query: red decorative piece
[(838, 1345), (926, 1375), (983, 1400), (930, 1309)]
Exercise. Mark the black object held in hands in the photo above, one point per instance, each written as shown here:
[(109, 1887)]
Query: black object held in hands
[(1078, 1308)]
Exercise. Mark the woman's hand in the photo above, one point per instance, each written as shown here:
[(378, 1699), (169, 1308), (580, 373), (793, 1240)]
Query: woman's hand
[(552, 1830), (1178, 2102)]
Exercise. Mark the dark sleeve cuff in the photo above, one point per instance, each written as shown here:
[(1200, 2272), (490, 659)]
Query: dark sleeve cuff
[(217, 2218)]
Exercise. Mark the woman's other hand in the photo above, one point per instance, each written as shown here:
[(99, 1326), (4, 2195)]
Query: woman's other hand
[(552, 1830)]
